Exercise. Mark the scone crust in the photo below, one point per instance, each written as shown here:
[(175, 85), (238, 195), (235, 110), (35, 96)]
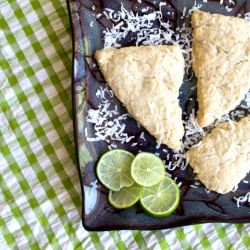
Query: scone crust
[(221, 63), (222, 159), (146, 80)]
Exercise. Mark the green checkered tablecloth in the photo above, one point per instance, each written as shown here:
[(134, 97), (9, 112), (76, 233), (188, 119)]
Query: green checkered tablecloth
[(40, 198)]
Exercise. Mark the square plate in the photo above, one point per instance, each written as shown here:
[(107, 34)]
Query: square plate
[(197, 205)]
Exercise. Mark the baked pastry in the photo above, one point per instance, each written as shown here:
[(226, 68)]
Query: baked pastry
[(146, 80), (222, 159), (221, 63)]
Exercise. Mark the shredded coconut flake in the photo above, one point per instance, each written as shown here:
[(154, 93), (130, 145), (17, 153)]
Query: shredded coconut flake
[(112, 146), (194, 133), (242, 199), (98, 15), (158, 144), (184, 12), (142, 136), (194, 8), (247, 16), (228, 9), (246, 102), (180, 162)]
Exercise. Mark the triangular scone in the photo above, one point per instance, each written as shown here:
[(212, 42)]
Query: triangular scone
[(221, 53), (146, 80), (222, 159)]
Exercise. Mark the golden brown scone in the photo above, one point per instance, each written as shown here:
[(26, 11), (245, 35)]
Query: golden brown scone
[(222, 159), (221, 52), (146, 80)]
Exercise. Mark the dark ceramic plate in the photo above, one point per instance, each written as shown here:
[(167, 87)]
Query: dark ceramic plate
[(197, 206)]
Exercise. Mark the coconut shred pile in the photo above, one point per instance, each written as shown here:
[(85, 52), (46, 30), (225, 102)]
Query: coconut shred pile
[(108, 123), (143, 27)]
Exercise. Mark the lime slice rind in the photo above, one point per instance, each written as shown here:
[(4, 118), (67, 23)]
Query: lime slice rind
[(126, 197), (160, 201), (113, 169), (147, 169), (130, 179)]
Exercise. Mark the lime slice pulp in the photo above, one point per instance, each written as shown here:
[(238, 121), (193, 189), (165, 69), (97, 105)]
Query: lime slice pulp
[(161, 199), (147, 169), (113, 169), (126, 197)]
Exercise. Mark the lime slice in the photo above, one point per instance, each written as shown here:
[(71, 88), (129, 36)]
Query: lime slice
[(147, 169), (113, 169), (126, 197), (161, 199)]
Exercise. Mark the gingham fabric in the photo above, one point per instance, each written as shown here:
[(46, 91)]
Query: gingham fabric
[(40, 196)]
